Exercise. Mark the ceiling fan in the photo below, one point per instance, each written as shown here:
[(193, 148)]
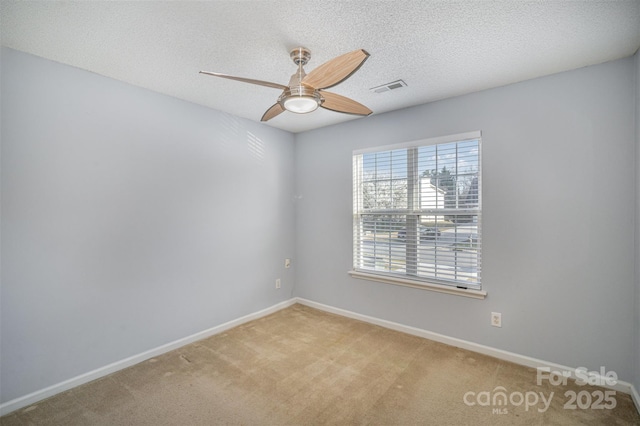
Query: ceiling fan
[(305, 92)]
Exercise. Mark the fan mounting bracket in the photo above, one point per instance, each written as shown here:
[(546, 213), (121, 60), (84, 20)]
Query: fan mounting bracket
[(300, 56)]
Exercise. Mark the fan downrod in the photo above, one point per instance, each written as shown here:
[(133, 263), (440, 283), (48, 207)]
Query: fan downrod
[(300, 56)]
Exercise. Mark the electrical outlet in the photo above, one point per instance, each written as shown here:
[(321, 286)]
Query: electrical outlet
[(287, 263), (496, 319), (278, 283)]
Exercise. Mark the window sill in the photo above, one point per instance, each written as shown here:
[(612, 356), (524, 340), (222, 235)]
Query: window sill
[(475, 294)]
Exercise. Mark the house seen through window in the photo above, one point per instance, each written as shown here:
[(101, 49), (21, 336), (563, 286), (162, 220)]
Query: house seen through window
[(417, 211)]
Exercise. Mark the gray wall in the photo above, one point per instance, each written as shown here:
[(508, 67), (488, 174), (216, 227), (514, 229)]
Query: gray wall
[(129, 220), (558, 230), (637, 233)]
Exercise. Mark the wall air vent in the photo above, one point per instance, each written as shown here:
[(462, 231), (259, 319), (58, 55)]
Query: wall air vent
[(389, 86)]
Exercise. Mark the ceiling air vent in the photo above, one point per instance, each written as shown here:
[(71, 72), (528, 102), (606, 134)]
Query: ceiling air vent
[(389, 86)]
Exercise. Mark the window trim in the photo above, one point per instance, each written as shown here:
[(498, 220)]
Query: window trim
[(420, 142), (476, 293), (423, 285)]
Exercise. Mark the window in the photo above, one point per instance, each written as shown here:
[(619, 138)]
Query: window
[(417, 212)]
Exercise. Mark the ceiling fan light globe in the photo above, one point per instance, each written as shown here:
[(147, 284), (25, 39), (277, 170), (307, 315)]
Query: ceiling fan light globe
[(301, 104)]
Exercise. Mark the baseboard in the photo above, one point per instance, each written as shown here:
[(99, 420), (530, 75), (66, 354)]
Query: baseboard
[(636, 397), (39, 395), (620, 385)]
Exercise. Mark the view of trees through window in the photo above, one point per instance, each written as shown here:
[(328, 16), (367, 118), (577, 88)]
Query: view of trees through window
[(417, 211)]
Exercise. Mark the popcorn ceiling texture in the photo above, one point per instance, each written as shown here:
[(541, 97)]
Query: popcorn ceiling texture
[(441, 49)]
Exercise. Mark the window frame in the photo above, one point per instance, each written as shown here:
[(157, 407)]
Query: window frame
[(410, 277)]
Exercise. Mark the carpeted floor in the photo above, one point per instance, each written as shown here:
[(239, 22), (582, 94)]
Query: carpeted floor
[(301, 366)]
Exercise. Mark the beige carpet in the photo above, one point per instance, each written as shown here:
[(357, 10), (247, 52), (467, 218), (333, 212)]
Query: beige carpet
[(301, 366)]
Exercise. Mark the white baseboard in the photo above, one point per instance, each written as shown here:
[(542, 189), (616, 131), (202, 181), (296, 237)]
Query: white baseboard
[(620, 385), (636, 397), (39, 395)]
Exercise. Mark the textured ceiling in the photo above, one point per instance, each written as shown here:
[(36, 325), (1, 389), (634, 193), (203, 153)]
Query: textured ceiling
[(439, 48)]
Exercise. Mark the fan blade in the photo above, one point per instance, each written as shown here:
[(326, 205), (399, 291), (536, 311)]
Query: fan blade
[(336, 70), (272, 112), (340, 103), (246, 80)]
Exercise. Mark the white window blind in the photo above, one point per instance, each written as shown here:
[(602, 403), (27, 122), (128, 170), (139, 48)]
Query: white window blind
[(417, 211)]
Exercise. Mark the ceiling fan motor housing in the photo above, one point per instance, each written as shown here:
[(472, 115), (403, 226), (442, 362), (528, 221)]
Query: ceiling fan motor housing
[(300, 99)]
